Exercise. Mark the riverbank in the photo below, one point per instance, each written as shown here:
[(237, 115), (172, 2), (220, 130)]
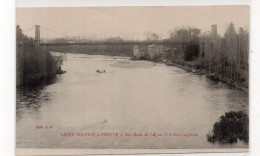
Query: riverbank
[(35, 66), (198, 67)]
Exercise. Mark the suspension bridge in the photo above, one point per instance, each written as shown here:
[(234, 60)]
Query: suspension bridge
[(138, 48), (37, 38)]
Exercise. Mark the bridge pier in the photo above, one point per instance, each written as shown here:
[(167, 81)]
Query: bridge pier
[(37, 37)]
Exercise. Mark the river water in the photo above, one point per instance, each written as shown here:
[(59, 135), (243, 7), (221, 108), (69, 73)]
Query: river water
[(130, 97)]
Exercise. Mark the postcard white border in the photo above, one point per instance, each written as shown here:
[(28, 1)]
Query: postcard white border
[(7, 60)]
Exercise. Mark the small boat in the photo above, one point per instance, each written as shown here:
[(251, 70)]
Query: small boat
[(101, 71)]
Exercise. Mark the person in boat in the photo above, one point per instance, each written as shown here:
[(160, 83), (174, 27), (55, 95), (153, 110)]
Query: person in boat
[(99, 71)]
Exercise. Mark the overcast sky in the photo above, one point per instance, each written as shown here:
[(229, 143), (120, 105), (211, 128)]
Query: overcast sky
[(130, 22)]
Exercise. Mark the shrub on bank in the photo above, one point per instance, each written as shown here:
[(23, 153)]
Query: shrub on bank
[(229, 128)]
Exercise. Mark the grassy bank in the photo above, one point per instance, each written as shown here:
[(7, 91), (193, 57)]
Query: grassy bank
[(196, 66), (199, 66)]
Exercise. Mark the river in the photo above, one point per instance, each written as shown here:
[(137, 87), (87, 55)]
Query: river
[(130, 97)]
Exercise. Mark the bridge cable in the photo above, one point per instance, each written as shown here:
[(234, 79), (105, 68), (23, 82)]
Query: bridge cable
[(28, 29), (57, 32)]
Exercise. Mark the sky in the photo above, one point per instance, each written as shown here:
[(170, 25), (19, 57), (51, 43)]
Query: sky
[(128, 22)]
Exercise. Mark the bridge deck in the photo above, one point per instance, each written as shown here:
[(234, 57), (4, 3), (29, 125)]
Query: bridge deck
[(121, 43)]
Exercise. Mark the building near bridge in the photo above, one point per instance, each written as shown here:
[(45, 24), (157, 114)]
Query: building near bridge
[(155, 50), (136, 50), (151, 52), (139, 52)]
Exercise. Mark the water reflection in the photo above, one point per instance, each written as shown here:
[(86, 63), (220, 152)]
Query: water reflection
[(29, 99)]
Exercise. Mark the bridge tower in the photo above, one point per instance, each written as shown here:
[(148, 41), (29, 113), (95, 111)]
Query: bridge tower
[(214, 33), (37, 34)]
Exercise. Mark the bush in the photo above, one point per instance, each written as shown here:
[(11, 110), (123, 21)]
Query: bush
[(230, 127), (191, 52), (34, 65)]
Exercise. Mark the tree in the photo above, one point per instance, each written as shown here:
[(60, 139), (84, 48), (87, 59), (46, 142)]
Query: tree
[(195, 32), (19, 35), (181, 35), (152, 36), (230, 31)]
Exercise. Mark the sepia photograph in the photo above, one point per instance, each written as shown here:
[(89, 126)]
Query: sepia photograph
[(133, 77)]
